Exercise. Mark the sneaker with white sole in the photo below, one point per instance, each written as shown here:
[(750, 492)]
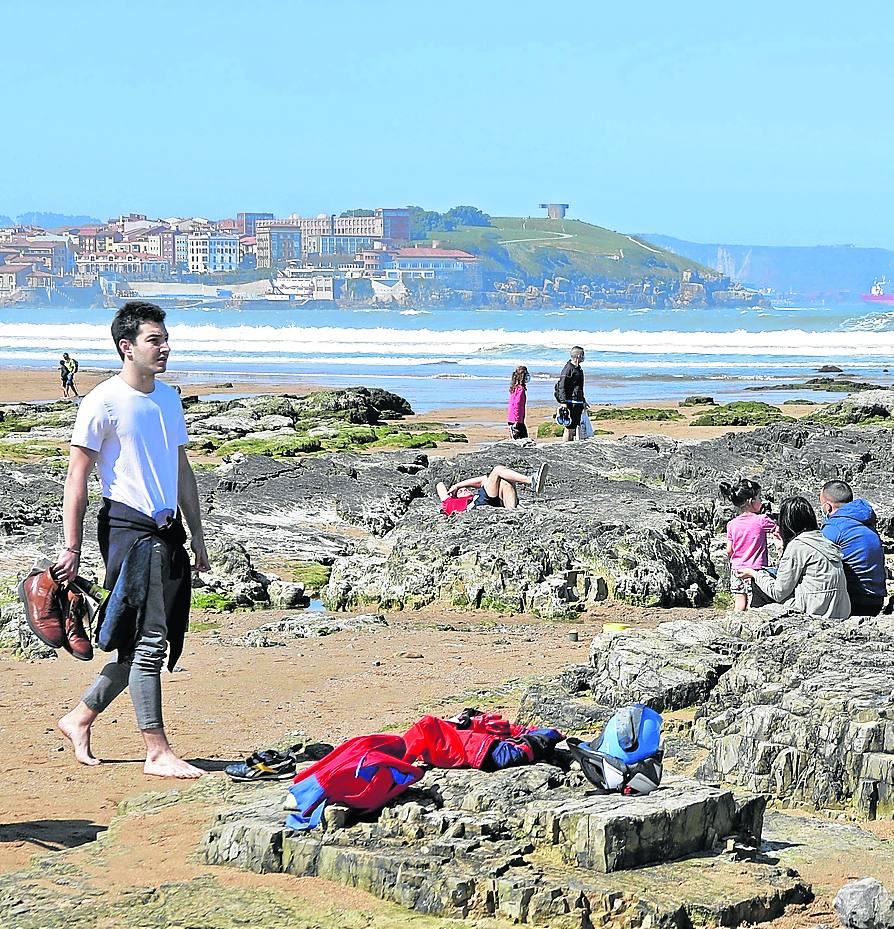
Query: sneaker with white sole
[(538, 479)]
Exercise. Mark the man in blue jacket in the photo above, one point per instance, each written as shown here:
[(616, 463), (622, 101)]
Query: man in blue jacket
[(850, 524)]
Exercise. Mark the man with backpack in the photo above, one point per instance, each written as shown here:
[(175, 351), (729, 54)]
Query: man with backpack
[(569, 393)]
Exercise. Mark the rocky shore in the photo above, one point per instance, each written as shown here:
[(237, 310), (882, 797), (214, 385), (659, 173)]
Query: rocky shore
[(765, 707)]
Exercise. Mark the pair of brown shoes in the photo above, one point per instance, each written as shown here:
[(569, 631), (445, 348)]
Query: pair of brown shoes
[(56, 614)]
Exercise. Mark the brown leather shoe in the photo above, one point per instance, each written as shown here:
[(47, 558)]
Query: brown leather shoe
[(77, 642), (43, 607)]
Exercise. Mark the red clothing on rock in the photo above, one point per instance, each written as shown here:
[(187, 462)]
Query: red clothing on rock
[(456, 504)]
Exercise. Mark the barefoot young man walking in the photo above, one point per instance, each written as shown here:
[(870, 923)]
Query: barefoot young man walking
[(131, 428)]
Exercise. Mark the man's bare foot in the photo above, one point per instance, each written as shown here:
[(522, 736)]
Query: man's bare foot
[(169, 765), (78, 733)]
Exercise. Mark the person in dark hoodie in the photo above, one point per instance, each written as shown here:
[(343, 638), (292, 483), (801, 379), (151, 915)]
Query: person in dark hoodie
[(850, 524)]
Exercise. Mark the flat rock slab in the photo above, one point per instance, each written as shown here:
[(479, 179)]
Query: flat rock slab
[(532, 844), (677, 664), (309, 627)]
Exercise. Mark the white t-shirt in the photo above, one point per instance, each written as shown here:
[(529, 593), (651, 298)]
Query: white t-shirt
[(138, 437)]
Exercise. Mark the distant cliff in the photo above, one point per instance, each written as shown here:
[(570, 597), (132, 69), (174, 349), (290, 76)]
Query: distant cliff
[(842, 271)]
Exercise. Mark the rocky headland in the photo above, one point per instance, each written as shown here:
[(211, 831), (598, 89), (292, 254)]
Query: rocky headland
[(763, 708)]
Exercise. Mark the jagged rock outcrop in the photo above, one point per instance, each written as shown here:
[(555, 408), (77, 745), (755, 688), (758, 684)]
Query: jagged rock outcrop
[(532, 845), (808, 715), (868, 406), (788, 705), (309, 508), (585, 539)]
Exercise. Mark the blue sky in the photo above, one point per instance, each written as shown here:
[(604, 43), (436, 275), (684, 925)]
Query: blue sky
[(763, 123)]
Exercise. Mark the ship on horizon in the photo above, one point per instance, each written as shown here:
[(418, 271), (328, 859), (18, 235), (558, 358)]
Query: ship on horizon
[(877, 293)]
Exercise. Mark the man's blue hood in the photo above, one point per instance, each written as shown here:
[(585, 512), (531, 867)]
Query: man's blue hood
[(859, 510)]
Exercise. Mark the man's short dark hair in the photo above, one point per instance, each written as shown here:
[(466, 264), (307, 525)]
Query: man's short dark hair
[(576, 350), (838, 492), (127, 321)]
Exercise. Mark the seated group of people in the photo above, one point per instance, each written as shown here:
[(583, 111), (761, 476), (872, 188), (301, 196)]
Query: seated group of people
[(833, 573)]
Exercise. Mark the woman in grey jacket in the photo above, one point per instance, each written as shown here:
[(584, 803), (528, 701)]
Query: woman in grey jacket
[(810, 571)]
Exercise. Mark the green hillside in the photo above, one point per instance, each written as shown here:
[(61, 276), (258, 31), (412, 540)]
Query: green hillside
[(537, 248)]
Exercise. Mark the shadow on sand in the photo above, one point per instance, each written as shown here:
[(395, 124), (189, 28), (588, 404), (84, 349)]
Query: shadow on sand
[(51, 834)]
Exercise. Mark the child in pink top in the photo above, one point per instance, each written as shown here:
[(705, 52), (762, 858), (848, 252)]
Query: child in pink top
[(746, 535), (515, 413)]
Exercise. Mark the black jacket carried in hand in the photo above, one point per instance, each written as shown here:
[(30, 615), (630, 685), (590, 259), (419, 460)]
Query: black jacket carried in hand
[(126, 537)]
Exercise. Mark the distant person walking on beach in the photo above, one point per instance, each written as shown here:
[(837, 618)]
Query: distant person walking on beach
[(746, 536), (851, 525), (131, 427), (495, 489), (515, 412), (570, 392), (68, 367)]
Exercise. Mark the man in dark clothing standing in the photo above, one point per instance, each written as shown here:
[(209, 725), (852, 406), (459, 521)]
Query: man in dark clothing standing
[(850, 524), (570, 391)]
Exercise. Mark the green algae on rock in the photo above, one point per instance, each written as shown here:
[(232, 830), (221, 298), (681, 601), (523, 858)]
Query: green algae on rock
[(741, 413)]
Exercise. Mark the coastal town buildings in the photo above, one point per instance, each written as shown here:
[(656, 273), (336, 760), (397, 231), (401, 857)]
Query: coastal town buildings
[(277, 242), (139, 265), (246, 222), (13, 277), (211, 252), (359, 255), (337, 244)]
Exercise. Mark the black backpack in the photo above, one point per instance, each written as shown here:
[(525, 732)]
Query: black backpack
[(558, 390)]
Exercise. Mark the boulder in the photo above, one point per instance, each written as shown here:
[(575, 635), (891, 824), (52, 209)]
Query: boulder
[(285, 595), (865, 904), (675, 665), (232, 575)]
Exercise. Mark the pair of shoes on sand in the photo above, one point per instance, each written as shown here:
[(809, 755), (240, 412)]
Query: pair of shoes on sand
[(269, 764), (538, 478), (56, 614)]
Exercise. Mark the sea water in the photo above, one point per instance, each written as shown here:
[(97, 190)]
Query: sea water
[(458, 358)]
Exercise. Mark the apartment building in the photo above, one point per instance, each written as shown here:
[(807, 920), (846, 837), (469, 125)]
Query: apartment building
[(246, 222), (141, 265), (212, 252), (277, 242), (336, 244)]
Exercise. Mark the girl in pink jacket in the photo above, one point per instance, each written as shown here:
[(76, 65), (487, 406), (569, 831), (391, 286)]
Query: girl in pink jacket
[(515, 413)]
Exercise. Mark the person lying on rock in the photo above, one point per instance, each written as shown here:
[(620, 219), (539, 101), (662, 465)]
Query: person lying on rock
[(495, 489), (811, 571)]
